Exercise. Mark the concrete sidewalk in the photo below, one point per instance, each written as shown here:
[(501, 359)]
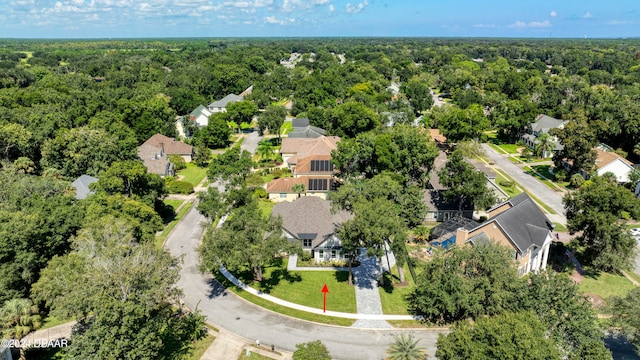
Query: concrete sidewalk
[(367, 293)]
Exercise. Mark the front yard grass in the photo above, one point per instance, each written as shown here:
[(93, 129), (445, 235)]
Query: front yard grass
[(303, 315), (304, 287), (193, 174), (266, 207), (286, 128), (252, 355), (605, 285), (394, 297), (199, 347)]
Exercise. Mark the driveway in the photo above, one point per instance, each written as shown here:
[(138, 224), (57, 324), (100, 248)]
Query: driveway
[(225, 310)]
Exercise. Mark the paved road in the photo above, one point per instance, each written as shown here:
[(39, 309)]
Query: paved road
[(225, 310), (533, 185), (251, 142)]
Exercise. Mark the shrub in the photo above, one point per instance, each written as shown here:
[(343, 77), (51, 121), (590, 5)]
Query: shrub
[(179, 187), (260, 193), (178, 162), (576, 180), (507, 184), (254, 180), (560, 174), (277, 173)]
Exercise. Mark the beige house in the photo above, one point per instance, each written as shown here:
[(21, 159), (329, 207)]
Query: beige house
[(155, 152), (519, 225), (293, 149), (310, 161)]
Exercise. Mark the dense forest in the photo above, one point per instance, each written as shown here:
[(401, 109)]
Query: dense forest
[(73, 107)]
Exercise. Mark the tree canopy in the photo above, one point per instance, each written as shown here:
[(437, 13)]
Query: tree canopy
[(598, 210)]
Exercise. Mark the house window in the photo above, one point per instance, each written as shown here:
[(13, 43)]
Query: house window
[(306, 243), (321, 254), (283, 195), (333, 254)]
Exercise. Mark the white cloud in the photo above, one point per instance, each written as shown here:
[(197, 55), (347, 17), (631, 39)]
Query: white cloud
[(587, 15), (485, 26), (274, 20), (291, 5), (619, 22), (545, 23), (332, 8), (553, 13), (532, 24), (352, 9)]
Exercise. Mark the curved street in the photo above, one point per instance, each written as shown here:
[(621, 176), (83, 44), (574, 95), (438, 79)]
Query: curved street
[(225, 310)]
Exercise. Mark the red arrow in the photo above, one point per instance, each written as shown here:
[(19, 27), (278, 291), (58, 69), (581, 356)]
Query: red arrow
[(325, 290)]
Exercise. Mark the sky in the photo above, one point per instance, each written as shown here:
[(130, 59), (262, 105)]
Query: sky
[(318, 18)]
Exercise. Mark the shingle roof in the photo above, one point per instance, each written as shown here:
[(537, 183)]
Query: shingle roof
[(603, 158), (300, 122), (302, 146), (222, 103), (309, 215), (524, 223), (544, 123), (169, 146), (307, 132), (153, 159), (82, 186)]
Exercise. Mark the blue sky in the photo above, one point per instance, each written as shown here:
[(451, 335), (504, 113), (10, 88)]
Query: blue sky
[(241, 18)]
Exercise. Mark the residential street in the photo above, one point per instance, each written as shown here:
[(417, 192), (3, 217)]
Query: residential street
[(541, 191), (226, 310)]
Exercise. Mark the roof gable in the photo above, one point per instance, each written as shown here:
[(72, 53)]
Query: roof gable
[(309, 215), (523, 223), (222, 103), (302, 146), (169, 146), (82, 186)]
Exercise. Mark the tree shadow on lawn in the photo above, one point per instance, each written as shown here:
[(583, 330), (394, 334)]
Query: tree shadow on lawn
[(341, 276), (390, 282)]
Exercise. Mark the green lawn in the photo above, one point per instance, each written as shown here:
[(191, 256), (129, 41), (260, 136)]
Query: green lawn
[(199, 347), (304, 287), (266, 207), (393, 298), (52, 321), (559, 227), (252, 356), (322, 319), (286, 128), (193, 174), (510, 190), (605, 284), (173, 203), (159, 240)]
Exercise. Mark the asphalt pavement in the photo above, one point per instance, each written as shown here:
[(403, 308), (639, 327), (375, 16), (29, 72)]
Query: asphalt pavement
[(225, 310), (541, 191)]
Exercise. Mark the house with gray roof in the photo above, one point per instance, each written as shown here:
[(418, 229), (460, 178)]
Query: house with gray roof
[(309, 221), (200, 116), (301, 128), (221, 105), (542, 125), (82, 186), (519, 225)]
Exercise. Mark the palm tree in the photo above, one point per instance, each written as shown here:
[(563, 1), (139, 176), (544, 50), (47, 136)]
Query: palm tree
[(265, 150), (406, 348), (298, 189), (545, 145)]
